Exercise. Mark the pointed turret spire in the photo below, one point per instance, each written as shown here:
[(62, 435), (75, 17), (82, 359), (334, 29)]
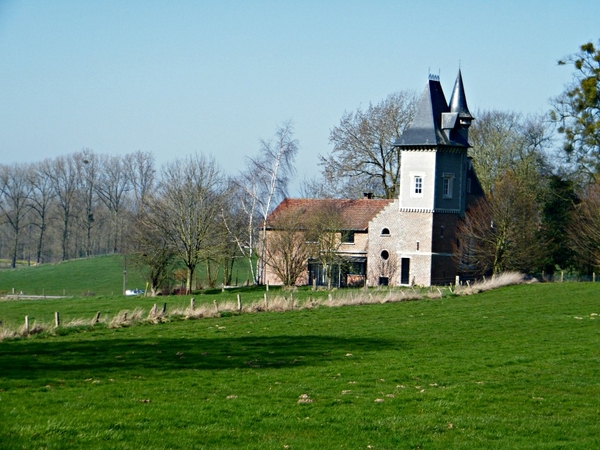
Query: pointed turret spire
[(458, 102)]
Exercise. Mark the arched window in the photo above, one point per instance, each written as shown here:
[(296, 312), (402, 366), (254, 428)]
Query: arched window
[(385, 232), (385, 255)]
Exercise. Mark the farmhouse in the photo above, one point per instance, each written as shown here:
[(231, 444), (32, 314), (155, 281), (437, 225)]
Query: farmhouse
[(404, 241)]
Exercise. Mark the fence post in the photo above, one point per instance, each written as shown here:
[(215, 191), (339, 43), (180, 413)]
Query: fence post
[(216, 306), (27, 324), (192, 303), (239, 299), (164, 309), (56, 319), (96, 319), (562, 273)]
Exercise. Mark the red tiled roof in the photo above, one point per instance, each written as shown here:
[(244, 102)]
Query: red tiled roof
[(355, 214)]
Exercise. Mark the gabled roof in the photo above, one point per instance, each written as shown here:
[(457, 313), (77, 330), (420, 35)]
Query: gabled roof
[(355, 214)]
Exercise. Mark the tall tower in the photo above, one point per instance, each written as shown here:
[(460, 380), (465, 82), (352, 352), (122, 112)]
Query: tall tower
[(434, 183)]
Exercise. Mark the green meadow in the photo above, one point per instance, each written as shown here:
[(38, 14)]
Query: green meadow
[(518, 367), (102, 275)]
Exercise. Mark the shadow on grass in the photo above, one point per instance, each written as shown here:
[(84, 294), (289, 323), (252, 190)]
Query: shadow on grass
[(46, 359)]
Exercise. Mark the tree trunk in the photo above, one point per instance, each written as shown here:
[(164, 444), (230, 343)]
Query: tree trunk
[(189, 280)]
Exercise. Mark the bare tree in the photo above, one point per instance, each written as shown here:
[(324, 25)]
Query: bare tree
[(14, 203), (286, 250), (112, 186), (584, 229), (500, 232), (87, 166), (42, 197), (325, 236), (153, 251), (363, 158), (64, 177), (504, 140), (264, 182), (142, 174), (185, 210)]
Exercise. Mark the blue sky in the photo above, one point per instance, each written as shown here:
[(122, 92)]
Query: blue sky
[(177, 77)]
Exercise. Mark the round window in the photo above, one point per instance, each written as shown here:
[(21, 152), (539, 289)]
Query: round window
[(385, 255)]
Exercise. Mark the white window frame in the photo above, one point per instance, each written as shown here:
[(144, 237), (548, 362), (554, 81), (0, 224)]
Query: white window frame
[(418, 185)]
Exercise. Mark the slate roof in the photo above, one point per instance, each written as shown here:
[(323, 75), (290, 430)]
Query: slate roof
[(355, 213), (433, 116), (458, 100)]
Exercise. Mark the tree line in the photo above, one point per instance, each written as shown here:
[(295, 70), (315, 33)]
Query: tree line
[(539, 214), (186, 213)]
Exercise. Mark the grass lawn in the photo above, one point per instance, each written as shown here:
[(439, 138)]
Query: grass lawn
[(512, 368), (101, 275)]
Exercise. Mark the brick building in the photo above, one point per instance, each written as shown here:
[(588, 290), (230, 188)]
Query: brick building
[(410, 240)]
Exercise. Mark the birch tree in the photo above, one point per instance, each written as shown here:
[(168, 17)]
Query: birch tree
[(263, 184)]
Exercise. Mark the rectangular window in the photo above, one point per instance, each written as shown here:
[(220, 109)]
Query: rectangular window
[(418, 185), (348, 237), (447, 184), (468, 185)]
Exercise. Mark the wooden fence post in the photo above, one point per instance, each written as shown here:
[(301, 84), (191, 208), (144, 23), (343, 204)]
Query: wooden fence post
[(56, 319), (216, 307), (27, 324), (164, 309), (96, 319), (562, 274), (239, 300), (192, 303)]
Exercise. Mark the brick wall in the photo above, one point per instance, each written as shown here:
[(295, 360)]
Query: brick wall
[(388, 217)]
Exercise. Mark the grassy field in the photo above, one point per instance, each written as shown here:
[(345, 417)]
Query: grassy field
[(512, 368), (102, 275)]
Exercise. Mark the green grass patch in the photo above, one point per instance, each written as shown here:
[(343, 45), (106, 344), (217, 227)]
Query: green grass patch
[(101, 275), (512, 368)]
